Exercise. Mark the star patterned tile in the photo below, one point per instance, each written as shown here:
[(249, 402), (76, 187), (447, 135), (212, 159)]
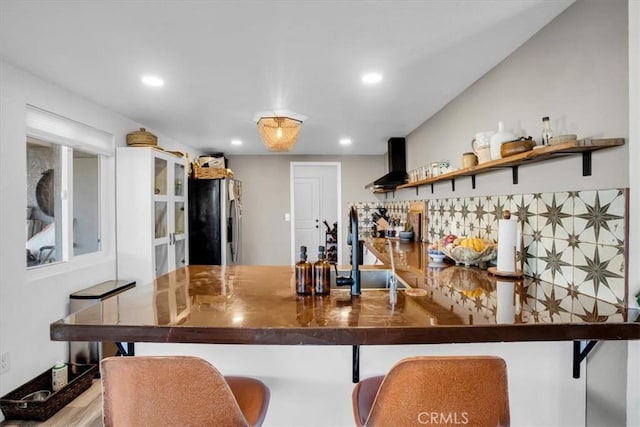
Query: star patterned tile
[(573, 238), (525, 207), (529, 255), (555, 261), (487, 225), (599, 216), (555, 215), (476, 211), (599, 271)]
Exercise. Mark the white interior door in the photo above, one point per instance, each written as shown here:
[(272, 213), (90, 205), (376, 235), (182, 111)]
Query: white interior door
[(306, 214), (315, 199)]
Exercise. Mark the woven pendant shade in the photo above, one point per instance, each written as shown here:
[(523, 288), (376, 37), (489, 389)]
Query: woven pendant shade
[(279, 133)]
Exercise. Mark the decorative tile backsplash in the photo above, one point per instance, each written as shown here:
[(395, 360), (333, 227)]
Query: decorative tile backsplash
[(571, 238)]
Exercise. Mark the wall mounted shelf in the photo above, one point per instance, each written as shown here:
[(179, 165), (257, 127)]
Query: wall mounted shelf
[(582, 146)]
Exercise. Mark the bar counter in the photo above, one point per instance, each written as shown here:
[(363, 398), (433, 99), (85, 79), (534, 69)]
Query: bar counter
[(258, 305)]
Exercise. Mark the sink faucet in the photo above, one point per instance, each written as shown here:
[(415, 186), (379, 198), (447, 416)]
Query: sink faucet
[(393, 285), (356, 244)]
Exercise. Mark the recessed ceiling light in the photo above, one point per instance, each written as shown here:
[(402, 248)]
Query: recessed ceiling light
[(236, 142), (152, 81), (345, 141), (371, 78)]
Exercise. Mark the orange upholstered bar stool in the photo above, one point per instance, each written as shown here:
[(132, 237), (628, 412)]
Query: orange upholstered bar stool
[(178, 391), (451, 390)]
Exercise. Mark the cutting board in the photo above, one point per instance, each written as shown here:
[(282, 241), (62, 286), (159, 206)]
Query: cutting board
[(418, 212), (415, 219)]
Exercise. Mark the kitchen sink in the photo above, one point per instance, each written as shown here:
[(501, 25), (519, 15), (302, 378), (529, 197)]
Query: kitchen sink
[(370, 279)]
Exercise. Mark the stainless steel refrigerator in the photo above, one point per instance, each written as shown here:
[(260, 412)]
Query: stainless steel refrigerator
[(215, 221)]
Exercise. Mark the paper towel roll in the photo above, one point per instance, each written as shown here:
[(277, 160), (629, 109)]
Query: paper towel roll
[(507, 241), (506, 309)]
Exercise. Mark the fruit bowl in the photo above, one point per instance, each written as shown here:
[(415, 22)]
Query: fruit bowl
[(468, 255)]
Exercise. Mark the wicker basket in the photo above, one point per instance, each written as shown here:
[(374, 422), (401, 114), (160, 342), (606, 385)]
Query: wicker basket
[(14, 408), (142, 138), (210, 173)]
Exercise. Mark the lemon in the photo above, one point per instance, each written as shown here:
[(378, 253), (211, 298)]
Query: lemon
[(467, 243)]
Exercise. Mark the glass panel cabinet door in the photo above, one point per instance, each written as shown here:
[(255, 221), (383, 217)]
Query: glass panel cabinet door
[(179, 218), (161, 259), (180, 253), (160, 220), (178, 183), (161, 176)]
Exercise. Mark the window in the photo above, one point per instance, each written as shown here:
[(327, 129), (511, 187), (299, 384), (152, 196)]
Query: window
[(64, 195)]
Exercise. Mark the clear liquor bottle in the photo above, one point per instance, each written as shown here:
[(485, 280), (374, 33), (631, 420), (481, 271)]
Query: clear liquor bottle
[(547, 133)]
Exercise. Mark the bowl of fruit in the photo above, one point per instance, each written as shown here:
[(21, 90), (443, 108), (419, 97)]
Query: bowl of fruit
[(468, 250)]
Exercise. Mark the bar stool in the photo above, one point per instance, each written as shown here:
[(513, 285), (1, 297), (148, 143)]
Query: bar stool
[(178, 391), (449, 390)]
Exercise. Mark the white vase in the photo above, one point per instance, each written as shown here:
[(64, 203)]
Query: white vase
[(497, 139)]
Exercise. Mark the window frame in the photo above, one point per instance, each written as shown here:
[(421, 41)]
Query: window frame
[(72, 135)]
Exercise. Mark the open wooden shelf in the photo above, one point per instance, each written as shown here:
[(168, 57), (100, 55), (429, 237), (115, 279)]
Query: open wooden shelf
[(582, 146), (383, 190)]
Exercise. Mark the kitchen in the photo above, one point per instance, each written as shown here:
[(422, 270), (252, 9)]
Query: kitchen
[(502, 88)]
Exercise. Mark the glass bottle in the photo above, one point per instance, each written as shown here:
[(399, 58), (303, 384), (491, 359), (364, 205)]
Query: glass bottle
[(547, 133), (321, 274), (304, 285)]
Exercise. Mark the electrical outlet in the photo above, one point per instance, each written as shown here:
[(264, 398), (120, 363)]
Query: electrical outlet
[(4, 363)]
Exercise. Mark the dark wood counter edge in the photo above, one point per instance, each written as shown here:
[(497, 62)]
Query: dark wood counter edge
[(355, 335)]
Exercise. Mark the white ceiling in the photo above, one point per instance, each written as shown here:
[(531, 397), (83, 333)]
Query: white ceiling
[(225, 61)]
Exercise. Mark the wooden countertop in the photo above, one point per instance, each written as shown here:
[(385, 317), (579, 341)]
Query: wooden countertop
[(258, 305)]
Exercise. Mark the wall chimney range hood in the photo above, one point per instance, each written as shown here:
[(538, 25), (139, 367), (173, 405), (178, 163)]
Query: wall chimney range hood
[(397, 157)]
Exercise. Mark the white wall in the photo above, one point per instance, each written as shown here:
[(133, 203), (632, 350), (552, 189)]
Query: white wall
[(267, 197), (27, 307)]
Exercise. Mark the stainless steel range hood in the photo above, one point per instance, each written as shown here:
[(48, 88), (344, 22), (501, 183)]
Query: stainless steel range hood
[(397, 158)]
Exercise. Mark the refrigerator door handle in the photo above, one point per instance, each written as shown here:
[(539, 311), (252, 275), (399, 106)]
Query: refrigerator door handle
[(233, 230)]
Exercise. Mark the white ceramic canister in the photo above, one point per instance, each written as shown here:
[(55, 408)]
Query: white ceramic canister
[(481, 145), (482, 139), (497, 139)]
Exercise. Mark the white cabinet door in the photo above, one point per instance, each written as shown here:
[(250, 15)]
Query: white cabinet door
[(151, 213)]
